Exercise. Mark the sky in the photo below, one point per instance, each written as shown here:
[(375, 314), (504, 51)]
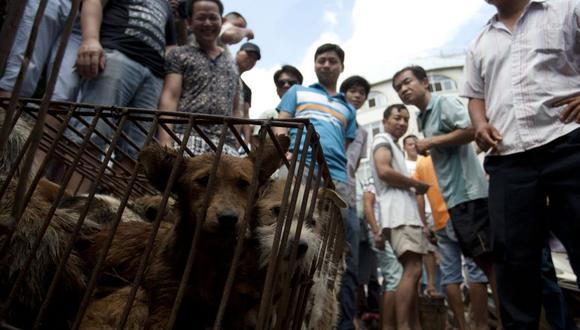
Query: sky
[(378, 36)]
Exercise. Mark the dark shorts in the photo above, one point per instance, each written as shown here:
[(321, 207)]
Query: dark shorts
[(471, 224)]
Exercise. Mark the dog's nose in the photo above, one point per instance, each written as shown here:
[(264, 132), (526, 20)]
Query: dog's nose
[(228, 220), (302, 248)]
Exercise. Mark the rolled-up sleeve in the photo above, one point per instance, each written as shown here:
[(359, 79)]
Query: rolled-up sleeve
[(454, 115)]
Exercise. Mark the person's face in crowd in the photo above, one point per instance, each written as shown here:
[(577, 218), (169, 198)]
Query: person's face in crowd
[(236, 21), (356, 96), (397, 123), (284, 82), (206, 22), (328, 67), (245, 60), (410, 147), (410, 89)]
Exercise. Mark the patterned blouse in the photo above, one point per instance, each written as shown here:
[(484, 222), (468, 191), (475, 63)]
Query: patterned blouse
[(209, 85)]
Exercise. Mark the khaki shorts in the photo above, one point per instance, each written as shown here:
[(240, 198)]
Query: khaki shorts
[(409, 238)]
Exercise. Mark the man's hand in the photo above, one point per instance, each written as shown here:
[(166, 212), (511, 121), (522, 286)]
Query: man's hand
[(487, 136), (249, 34), (90, 59), (421, 188), (430, 235), (423, 146), (572, 111), (379, 241)]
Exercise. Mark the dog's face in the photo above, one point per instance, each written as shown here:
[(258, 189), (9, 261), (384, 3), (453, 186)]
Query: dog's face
[(268, 209), (229, 196), (227, 203)]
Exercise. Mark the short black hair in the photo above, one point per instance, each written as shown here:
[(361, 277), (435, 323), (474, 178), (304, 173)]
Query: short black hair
[(417, 71), (410, 136), (191, 2), (389, 109), (353, 81), (288, 69), (330, 47), (236, 14)]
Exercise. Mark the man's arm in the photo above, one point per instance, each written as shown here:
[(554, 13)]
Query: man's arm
[(91, 57), (369, 213), (282, 130), (457, 137), (169, 101), (235, 34), (383, 158), (486, 136)]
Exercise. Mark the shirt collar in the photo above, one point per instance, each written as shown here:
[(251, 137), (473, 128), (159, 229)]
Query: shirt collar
[(493, 21), (423, 114), (339, 96)]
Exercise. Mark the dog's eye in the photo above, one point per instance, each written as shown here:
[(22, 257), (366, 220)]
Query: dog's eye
[(243, 184), (203, 180), (276, 210)]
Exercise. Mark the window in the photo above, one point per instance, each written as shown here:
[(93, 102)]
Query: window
[(440, 83), (377, 100)]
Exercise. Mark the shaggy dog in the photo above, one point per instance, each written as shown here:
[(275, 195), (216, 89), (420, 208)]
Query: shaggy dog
[(16, 243), (225, 211), (322, 303), (322, 309)]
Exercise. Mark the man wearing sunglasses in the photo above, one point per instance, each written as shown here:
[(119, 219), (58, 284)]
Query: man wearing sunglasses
[(285, 78)]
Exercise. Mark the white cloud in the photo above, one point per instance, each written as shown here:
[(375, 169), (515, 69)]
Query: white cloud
[(387, 35), (330, 18)]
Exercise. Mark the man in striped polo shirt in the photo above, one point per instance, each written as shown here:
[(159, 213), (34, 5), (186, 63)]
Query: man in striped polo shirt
[(335, 121)]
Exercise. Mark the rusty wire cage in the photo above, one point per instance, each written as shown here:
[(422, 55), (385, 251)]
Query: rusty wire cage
[(42, 238)]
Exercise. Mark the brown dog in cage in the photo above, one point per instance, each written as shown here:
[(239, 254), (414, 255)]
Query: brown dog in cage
[(226, 210), (16, 247)]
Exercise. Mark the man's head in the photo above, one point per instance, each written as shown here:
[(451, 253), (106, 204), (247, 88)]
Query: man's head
[(410, 146), (205, 20), (285, 78), (356, 89), (236, 19), (247, 56), (396, 120), (328, 64), (412, 85)]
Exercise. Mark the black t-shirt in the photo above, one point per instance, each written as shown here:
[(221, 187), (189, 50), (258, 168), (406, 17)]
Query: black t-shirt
[(140, 29), (246, 93)]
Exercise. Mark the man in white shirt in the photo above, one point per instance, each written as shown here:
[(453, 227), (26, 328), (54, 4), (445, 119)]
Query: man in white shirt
[(402, 225), (522, 78)]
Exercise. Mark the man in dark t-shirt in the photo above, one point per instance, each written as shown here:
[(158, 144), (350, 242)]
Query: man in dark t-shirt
[(121, 58)]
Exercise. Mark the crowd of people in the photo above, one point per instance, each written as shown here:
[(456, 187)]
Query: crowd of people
[(430, 207)]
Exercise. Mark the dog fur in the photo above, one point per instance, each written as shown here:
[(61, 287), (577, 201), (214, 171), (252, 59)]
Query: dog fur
[(216, 243), (105, 312)]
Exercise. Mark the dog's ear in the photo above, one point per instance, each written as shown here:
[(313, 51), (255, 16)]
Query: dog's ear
[(272, 158), (158, 162), (332, 195)]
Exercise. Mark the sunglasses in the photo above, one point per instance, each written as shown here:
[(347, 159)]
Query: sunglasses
[(282, 83)]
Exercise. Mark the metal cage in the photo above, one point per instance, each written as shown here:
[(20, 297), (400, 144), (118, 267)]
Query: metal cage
[(285, 299)]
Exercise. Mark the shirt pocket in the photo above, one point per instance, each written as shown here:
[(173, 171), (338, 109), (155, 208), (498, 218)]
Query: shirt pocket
[(548, 41)]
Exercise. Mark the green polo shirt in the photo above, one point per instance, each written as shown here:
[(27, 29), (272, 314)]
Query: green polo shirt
[(459, 172)]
